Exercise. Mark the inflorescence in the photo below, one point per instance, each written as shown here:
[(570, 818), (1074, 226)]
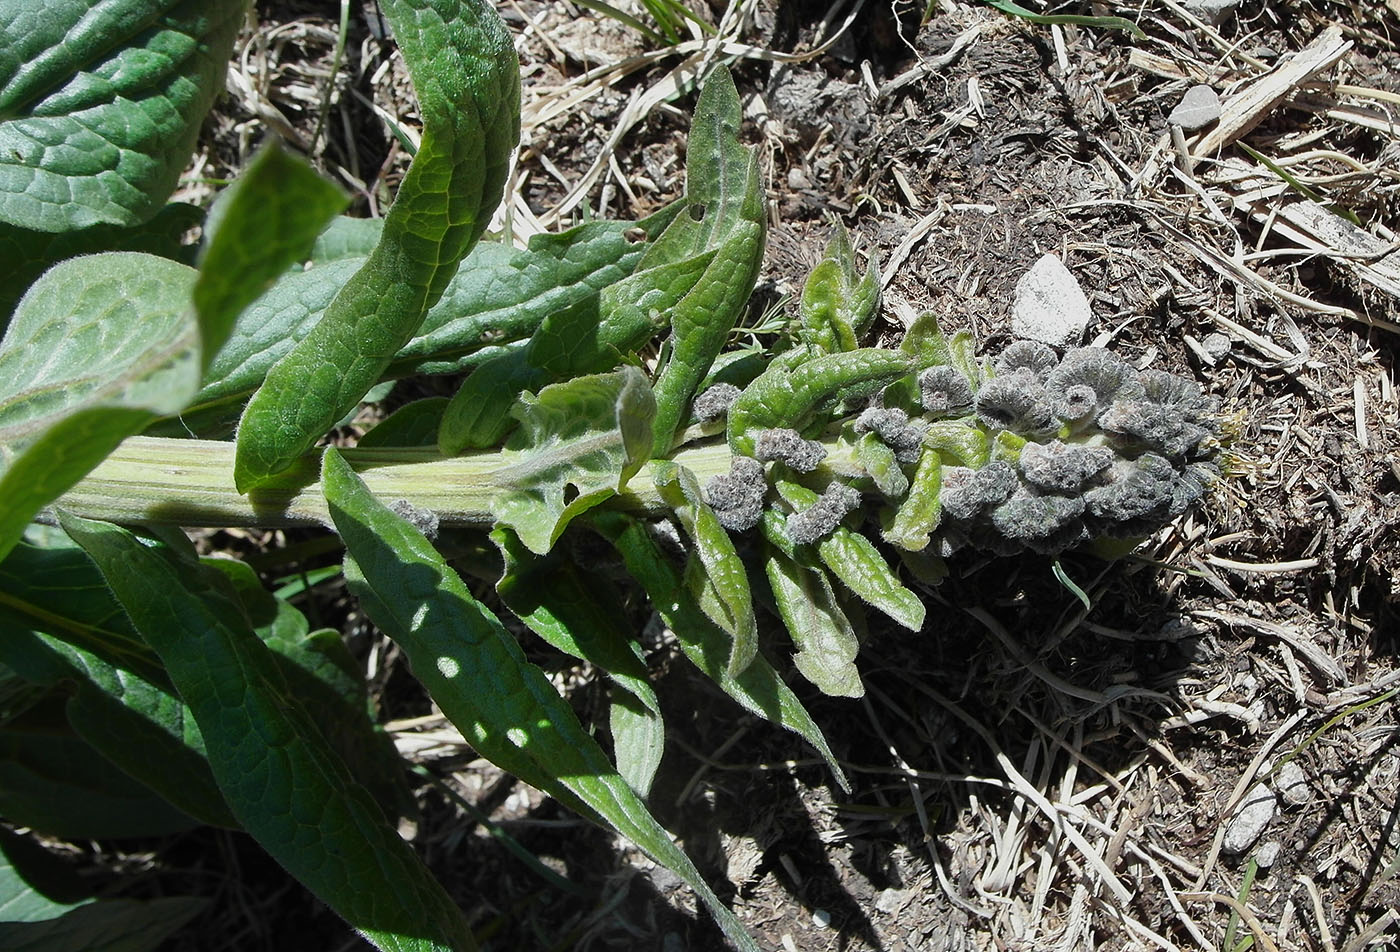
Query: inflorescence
[(1074, 449)]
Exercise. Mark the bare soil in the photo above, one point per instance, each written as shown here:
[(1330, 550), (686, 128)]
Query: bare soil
[(1029, 773)]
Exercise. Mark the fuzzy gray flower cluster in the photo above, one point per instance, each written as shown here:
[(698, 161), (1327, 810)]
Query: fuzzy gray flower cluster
[(1108, 452)]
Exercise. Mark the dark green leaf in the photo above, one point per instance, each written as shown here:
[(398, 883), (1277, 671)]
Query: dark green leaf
[(413, 424), (480, 679), (465, 72), (282, 782), (111, 925), (100, 104)]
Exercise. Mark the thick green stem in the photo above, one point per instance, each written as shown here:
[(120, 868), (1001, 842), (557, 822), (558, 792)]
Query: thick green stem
[(154, 481)]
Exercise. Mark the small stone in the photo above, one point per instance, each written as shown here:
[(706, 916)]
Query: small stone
[(1292, 784), (1214, 12), (1049, 305), (1254, 814), (891, 901), (1268, 854), (1217, 345), (1197, 109), (821, 918)]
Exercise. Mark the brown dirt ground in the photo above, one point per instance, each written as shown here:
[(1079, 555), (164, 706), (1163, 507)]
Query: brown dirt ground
[(1028, 774)]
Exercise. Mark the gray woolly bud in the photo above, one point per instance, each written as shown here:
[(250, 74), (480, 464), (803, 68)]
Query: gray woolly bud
[(714, 402), (1136, 488), (944, 391), (1191, 485), (424, 520), (1060, 467), (737, 496), (789, 447), (1160, 426), (964, 492), (820, 519), (1104, 373), (1173, 391), (1038, 520), (1034, 356), (1016, 402), (892, 426)]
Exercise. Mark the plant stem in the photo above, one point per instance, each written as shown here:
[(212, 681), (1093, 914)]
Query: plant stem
[(157, 481)]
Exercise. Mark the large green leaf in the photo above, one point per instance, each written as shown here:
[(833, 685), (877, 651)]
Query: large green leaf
[(272, 763), (578, 443), (758, 688), (264, 222), (98, 347), (480, 679), (826, 643), (100, 104), (464, 69)]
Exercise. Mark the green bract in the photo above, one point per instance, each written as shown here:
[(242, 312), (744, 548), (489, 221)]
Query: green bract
[(605, 412)]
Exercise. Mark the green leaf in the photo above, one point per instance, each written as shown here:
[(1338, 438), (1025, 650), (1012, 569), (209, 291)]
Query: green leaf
[(853, 559), (838, 304), (578, 443), (35, 884), (787, 393), (480, 679), (465, 72), (1030, 16), (918, 514), (26, 254), (639, 739), (723, 570), (826, 644), (54, 782), (723, 187), (280, 780), (100, 104), (413, 424), (264, 222), (758, 688), (112, 925), (98, 347), (879, 463)]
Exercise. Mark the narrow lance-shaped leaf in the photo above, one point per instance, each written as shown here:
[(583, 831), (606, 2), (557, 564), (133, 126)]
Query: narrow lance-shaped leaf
[(758, 688), (466, 75), (838, 305), (723, 573), (478, 675), (853, 559), (100, 104), (826, 644), (788, 391), (582, 614), (919, 513), (97, 348), (578, 443), (264, 222), (279, 778)]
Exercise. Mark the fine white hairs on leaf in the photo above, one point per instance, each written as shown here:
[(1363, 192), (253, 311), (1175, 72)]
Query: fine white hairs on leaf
[(714, 402), (789, 447), (737, 496), (1036, 357), (424, 520), (820, 519), (1016, 402), (1061, 467), (944, 391)]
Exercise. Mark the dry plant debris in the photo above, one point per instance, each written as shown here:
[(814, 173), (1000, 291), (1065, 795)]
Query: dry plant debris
[(1031, 773)]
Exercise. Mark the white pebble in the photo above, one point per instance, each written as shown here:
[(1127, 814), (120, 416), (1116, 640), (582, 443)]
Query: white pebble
[(821, 918), (1292, 784), (1268, 854), (1254, 813), (1049, 305)]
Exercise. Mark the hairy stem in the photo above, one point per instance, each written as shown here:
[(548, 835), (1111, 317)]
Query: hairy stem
[(155, 481)]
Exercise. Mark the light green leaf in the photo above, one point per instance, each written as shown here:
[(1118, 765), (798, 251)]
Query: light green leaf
[(879, 463), (838, 305), (826, 644), (578, 443), (853, 559), (787, 393), (26, 254), (758, 688), (98, 347), (723, 571), (918, 515), (263, 223), (281, 781), (465, 72), (639, 739), (100, 104), (480, 679), (724, 189)]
